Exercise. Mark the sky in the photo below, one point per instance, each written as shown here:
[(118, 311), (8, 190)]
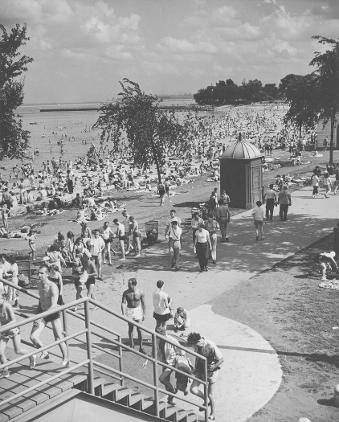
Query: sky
[(83, 48)]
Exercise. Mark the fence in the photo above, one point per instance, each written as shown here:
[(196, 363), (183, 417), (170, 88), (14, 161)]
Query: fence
[(92, 364)]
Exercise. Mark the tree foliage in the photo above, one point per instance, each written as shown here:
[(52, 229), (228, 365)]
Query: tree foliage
[(327, 76), (228, 92), (13, 138), (301, 92), (147, 131)]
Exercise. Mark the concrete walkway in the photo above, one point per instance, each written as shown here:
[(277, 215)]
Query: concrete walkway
[(251, 373)]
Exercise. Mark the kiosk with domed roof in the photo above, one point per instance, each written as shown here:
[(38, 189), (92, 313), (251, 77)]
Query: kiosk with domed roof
[(241, 173)]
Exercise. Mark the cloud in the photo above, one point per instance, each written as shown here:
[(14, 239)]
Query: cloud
[(69, 25), (185, 46)]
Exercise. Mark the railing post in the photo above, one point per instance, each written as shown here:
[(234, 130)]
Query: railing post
[(65, 330), (29, 271), (206, 392), (155, 373), (120, 360), (89, 349)]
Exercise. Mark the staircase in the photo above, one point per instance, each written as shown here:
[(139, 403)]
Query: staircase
[(42, 399), (31, 392)]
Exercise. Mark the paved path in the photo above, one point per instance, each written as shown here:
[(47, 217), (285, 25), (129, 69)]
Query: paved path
[(251, 373)]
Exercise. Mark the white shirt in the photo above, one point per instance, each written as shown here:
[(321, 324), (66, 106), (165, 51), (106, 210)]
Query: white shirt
[(315, 180), (98, 245), (258, 213), (202, 236)]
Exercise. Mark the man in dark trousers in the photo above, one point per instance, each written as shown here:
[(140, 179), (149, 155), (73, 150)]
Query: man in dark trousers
[(270, 199), (284, 200)]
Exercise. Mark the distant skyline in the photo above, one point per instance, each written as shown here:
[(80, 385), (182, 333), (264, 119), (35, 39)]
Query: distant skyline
[(82, 48)]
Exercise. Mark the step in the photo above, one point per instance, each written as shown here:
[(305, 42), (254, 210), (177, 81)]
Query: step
[(24, 377), (188, 416), (121, 395), (143, 404), (135, 398), (162, 407), (108, 390)]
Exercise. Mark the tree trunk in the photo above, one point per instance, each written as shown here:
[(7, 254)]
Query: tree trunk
[(332, 120), (154, 150)]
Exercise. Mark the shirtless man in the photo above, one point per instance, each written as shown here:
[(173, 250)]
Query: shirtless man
[(49, 293), (7, 316), (133, 306)]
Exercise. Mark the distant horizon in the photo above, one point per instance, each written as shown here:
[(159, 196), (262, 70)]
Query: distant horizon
[(165, 96)]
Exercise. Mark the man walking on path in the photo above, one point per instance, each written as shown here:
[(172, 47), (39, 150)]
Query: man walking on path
[(202, 245), (223, 217), (174, 242), (270, 199), (214, 358), (284, 200), (97, 249), (49, 293), (133, 306), (121, 235)]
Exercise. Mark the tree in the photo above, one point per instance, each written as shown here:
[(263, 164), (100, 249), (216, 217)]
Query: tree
[(327, 74), (302, 93), (149, 131), (13, 138)]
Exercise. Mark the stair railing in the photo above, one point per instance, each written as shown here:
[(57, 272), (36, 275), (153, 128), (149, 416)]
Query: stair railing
[(90, 361)]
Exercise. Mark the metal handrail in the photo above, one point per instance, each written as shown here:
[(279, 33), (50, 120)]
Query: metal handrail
[(90, 361), (42, 383), (42, 349), (129, 321), (41, 315), (145, 384)]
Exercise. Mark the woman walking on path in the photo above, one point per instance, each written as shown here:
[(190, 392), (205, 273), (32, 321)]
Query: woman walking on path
[(258, 214), (212, 226), (202, 243)]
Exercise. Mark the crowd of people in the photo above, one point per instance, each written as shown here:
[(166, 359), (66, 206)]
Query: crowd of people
[(84, 183)]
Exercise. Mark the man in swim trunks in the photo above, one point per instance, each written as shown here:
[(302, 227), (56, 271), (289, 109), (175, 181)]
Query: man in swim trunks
[(49, 293), (214, 358), (7, 316), (133, 307)]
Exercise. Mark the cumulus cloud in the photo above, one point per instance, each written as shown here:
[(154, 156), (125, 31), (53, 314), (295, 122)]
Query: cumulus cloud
[(185, 46), (66, 25)]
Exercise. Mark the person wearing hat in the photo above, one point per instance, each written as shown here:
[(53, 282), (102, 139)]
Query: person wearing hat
[(214, 358), (174, 242)]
